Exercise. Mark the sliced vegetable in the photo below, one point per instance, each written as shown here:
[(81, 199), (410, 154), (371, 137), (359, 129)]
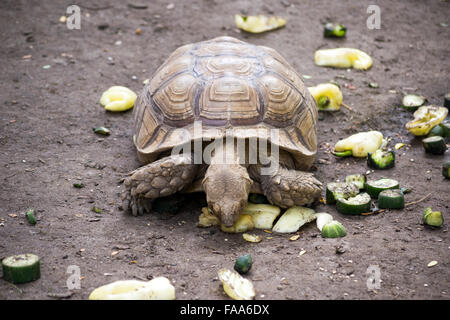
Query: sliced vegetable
[(322, 218), (434, 145), (381, 159), (158, 288), (235, 286), (391, 199), (293, 219), (412, 102), (447, 101), (258, 24), (207, 219), (118, 98), (436, 131), (252, 237), (446, 170), (243, 264), (355, 205), (336, 190), (374, 187), (334, 30), (102, 130), (425, 118), (21, 268), (358, 179), (446, 128), (343, 58), (333, 229), (360, 144), (30, 216), (263, 215), (257, 198), (343, 154), (243, 223), (328, 96), (432, 218)]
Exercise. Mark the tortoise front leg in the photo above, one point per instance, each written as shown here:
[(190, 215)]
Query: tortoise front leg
[(157, 179)]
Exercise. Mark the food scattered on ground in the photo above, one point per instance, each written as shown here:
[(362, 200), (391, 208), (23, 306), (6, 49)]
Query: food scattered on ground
[(333, 229), (432, 218), (118, 98), (374, 187), (207, 219), (412, 102), (21, 268), (258, 24), (263, 215), (425, 118), (354, 205), (358, 179), (328, 96), (102, 130), (158, 288), (30, 216), (323, 218), (336, 190), (293, 219), (332, 30), (381, 159), (391, 199), (434, 145), (244, 223), (78, 185), (235, 286), (432, 263), (243, 264), (446, 170), (359, 144), (343, 58), (252, 237)]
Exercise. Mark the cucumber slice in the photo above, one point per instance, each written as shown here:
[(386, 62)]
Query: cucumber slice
[(30, 216), (355, 205), (391, 199), (374, 187), (337, 190), (334, 30), (333, 229), (21, 268), (358, 179), (381, 159), (434, 145), (413, 101), (446, 170), (436, 131), (432, 218), (243, 264), (447, 101), (445, 128)]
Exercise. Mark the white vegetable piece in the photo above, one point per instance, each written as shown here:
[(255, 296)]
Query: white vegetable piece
[(156, 289), (235, 286), (293, 219), (361, 143), (322, 218), (263, 215), (343, 58)]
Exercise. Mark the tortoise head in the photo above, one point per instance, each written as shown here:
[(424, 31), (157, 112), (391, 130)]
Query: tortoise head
[(227, 187)]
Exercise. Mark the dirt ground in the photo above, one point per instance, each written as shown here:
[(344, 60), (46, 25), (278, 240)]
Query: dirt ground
[(47, 144)]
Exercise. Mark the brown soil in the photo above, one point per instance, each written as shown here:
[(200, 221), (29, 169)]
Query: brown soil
[(47, 145)]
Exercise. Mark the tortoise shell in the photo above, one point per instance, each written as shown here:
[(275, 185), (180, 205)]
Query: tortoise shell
[(233, 88)]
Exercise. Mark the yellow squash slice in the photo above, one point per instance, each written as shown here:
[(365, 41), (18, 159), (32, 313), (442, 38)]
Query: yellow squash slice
[(118, 98), (343, 58), (328, 96), (258, 24), (235, 286)]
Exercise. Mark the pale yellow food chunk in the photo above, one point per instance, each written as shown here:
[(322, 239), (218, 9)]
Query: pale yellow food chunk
[(343, 58), (118, 98), (360, 143), (258, 24), (235, 286), (293, 219)]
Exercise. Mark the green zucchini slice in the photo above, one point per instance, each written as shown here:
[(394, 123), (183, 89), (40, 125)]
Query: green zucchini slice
[(446, 170), (437, 130), (243, 264), (374, 187), (334, 30), (333, 229), (391, 199), (336, 190), (21, 268), (434, 145), (381, 159), (30, 216), (355, 205), (412, 102), (358, 179), (432, 218)]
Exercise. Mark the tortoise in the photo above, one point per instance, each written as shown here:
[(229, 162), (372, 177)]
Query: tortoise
[(221, 90)]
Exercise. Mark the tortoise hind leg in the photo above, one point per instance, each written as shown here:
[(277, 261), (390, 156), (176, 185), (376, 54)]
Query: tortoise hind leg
[(157, 179)]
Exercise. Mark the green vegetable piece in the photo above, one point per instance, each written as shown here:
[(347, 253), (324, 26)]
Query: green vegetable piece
[(381, 159), (358, 179), (353, 206), (21, 268), (446, 170), (334, 30), (374, 187), (102, 130), (432, 218), (30, 216), (96, 210), (373, 85), (436, 131), (412, 102), (257, 198), (342, 154), (243, 264), (434, 145), (391, 199), (78, 185), (336, 190), (333, 229)]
